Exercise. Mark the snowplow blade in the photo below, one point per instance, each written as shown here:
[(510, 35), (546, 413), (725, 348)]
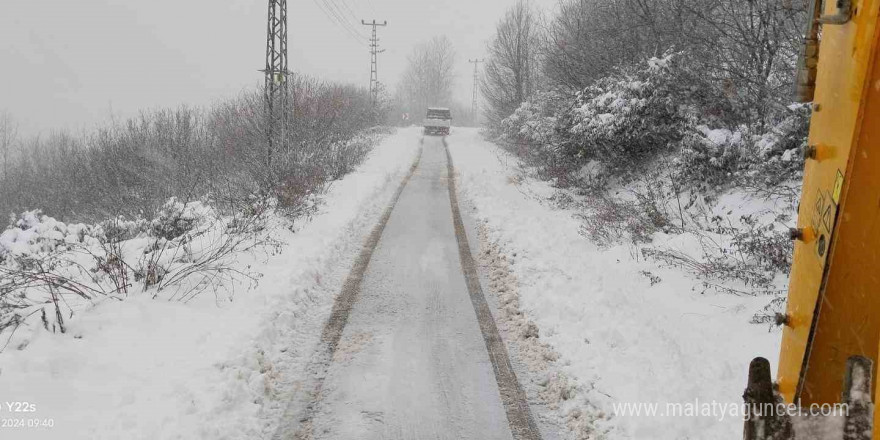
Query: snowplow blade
[(768, 417)]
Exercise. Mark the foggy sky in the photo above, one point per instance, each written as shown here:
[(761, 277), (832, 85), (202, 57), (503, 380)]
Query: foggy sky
[(70, 64)]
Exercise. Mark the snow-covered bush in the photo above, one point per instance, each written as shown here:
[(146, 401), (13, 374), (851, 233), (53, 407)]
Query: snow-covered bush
[(32, 232), (661, 108), (52, 269), (176, 218), (535, 121), (628, 117), (532, 132), (780, 150), (120, 229), (712, 158)]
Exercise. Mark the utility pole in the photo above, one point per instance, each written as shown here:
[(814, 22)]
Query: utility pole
[(374, 59), (276, 96), (475, 104)]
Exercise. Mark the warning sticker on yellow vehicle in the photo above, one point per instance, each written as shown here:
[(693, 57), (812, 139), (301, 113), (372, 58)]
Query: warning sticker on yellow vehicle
[(838, 188)]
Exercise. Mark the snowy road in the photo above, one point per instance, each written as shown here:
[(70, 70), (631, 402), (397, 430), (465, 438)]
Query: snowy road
[(587, 330), (412, 361)]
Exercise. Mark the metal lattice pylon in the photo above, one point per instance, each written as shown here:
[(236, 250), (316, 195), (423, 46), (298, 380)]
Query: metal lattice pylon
[(276, 94), (374, 59), (475, 105)]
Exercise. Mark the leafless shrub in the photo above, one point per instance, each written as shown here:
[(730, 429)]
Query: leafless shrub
[(113, 265), (30, 284), (211, 267), (752, 257), (64, 277), (345, 156), (770, 314), (714, 268), (789, 191), (653, 203), (131, 168), (609, 220), (765, 245)]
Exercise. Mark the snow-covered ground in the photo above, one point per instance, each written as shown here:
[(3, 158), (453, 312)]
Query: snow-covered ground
[(146, 369), (149, 369), (622, 339)]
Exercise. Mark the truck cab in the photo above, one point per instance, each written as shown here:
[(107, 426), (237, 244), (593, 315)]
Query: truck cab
[(438, 121)]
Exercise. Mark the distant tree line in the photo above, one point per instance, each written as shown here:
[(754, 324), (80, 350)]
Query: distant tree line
[(131, 168), (428, 80)]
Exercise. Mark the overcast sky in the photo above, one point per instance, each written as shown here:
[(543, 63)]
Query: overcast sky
[(73, 63)]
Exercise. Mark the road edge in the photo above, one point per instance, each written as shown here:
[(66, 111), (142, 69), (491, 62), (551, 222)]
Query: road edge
[(299, 421), (513, 397)]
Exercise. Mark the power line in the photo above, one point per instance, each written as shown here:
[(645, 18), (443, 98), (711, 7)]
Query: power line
[(349, 9), (333, 16), (340, 14), (334, 10), (374, 59)]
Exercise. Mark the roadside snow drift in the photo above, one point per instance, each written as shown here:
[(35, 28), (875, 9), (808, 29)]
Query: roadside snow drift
[(216, 367), (625, 338)]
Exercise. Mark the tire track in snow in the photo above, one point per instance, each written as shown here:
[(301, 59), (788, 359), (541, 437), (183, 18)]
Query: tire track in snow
[(514, 398), (297, 421)]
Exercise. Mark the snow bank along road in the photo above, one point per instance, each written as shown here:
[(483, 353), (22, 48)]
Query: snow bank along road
[(404, 354), (216, 368), (620, 336)]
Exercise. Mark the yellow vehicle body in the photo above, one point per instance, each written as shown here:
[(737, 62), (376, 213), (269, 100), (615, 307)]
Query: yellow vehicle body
[(834, 296)]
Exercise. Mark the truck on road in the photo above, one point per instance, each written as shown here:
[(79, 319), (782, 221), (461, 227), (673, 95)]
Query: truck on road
[(438, 121)]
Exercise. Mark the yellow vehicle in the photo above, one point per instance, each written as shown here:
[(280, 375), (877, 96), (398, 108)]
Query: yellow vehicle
[(831, 337)]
